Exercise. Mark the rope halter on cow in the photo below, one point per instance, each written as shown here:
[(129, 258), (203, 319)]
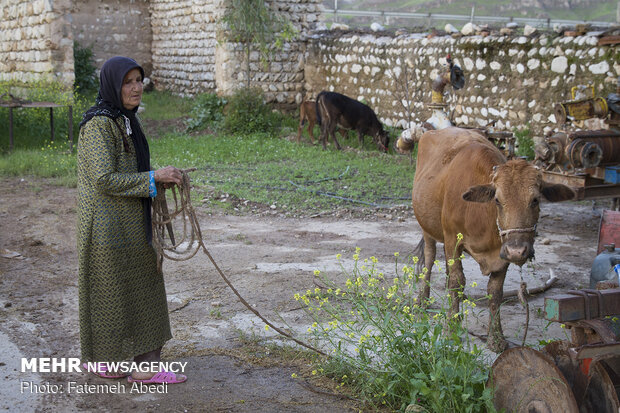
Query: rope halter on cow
[(505, 232)]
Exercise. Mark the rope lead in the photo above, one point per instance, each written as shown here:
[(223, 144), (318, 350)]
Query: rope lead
[(191, 242)]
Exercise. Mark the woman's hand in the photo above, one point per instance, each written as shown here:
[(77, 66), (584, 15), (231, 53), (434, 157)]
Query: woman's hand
[(168, 176)]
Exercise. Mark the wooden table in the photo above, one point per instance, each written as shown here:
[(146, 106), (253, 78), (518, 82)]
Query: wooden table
[(17, 104)]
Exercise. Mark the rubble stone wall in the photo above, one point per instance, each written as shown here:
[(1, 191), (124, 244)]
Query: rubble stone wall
[(114, 28), (184, 43), (282, 78), (36, 41), (511, 81)]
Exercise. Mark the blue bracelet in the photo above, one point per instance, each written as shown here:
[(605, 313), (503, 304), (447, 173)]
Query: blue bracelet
[(152, 187)]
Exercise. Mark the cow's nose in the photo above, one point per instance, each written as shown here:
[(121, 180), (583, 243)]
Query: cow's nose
[(516, 252)]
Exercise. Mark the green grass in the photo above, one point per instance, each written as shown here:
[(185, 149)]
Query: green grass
[(272, 170), (262, 169), (164, 106)]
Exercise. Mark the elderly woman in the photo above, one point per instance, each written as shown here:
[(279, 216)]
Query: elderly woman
[(122, 300)]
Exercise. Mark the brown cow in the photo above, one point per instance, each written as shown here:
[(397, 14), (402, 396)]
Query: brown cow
[(307, 112), (463, 184)]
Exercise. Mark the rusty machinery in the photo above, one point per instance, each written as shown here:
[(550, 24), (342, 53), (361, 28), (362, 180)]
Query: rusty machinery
[(587, 160), (580, 375)]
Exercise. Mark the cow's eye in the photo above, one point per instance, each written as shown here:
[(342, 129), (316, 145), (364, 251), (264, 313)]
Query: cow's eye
[(497, 202), (534, 203)]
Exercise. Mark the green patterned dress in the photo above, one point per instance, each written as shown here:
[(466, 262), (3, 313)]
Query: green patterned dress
[(122, 300)]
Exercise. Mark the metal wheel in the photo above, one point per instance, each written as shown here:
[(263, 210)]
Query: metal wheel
[(528, 381), (601, 395)]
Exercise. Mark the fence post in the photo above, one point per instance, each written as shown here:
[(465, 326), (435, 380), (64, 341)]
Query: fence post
[(336, 10), (471, 18)]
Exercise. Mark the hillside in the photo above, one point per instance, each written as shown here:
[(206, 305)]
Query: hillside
[(589, 10)]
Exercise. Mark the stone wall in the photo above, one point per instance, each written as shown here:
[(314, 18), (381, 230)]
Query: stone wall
[(184, 44), (188, 59), (36, 41), (510, 81), (114, 28), (282, 79)]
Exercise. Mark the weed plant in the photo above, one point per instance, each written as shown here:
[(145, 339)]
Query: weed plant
[(525, 143), (247, 113), (207, 111), (84, 68), (392, 350)]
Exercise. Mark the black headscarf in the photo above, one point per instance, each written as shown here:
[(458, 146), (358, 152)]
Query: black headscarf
[(109, 103)]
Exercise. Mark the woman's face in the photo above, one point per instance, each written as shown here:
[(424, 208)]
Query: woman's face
[(131, 92)]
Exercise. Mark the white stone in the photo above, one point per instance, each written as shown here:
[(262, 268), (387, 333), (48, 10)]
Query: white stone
[(356, 68), (533, 64), (495, 65), (559, 64), (339, 26), (484, 112), (450, 29), (376, 27), (552, 119), (531, 104), (469, 29), (600, 68), (480, 64), (468, 64), (529, 30), (481, 77), (520, 68)]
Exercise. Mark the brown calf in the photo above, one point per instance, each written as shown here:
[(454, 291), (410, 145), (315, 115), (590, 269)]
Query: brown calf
[(307, 112), (464, 185)]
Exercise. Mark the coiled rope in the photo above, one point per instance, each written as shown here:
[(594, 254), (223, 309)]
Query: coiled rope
[(191, 242)]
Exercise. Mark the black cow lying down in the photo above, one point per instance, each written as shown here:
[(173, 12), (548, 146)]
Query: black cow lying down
[(334, 109)]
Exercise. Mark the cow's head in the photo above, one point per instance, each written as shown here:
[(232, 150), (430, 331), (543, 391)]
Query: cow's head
[(382, 138), (516, 188)]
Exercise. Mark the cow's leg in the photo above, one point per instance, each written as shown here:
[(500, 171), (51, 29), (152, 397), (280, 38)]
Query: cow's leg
[(360, 138), (430, 250), (456, 277), (324, 133), (495, 288), (332, 132), (311, 129), (300, 129)]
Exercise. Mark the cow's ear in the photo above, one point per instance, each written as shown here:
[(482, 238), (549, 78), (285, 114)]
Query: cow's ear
[(557, 192), (479, 193)]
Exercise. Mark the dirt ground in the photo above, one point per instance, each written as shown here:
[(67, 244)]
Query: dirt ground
[(268, 257)]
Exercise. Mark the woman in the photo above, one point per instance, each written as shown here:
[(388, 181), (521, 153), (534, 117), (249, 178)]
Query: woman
[(123, 308)]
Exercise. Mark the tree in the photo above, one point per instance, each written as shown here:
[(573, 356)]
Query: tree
[(253, 24)]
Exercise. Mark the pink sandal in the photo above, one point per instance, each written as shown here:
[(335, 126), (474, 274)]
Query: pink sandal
[(160, 377), (102, 372)]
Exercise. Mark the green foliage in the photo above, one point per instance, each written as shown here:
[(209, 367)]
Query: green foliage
[(253, 24), (247, 113), (31, 126), (84, 68), (207, 110), (525, 143), (391, 349)]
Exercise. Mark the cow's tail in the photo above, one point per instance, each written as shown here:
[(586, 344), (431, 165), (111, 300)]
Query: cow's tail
[(319, 100), (418, 251)]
